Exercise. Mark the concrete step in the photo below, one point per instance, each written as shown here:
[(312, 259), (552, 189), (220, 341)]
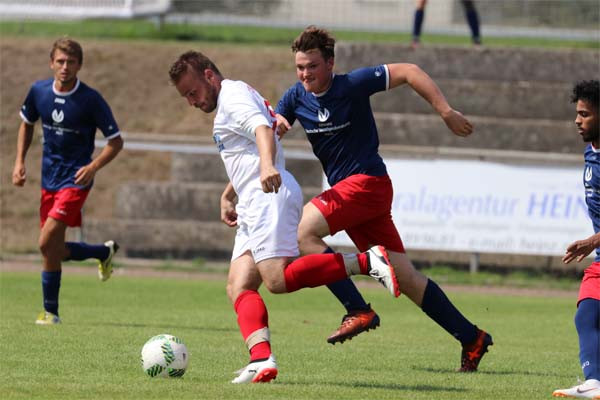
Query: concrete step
[(496, 64), (182, 201), (486, 98), (542, 135), (209, 168), (159, 238)]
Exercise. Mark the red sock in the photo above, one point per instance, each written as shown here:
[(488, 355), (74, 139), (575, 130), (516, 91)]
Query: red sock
[(363, 263), (252, 316), (314, 270)]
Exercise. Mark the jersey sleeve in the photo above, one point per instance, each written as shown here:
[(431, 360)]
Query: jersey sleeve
[(29, 112), (247, 112), (369, 80), (104, 119), (285, 106)]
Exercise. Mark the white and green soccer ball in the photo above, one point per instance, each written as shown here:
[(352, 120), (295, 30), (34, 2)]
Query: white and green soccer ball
[(164, 355)]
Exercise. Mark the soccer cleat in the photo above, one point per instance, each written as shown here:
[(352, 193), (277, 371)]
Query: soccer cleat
[(47, 318), (380, 268), (105, 267), (472, 353), (589, 389), (354, 323), (257, 371)]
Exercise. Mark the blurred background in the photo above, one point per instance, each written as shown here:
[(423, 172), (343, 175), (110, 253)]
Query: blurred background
[(159, 198)]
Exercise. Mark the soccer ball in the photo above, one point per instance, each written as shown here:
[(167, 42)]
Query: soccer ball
[(164, 355)]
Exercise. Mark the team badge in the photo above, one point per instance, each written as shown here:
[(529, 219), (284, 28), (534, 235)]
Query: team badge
[(323, 115)]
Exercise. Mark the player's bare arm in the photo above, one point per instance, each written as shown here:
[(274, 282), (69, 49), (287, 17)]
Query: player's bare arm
[(422, 83), (24, 139), (270, 179), (581, 249), (282, 125), (228, 213), (85, 174)]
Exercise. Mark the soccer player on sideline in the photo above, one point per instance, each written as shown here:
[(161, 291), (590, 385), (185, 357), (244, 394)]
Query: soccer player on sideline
[(335, 112), (587, 318), (268, 209), (70, 112)]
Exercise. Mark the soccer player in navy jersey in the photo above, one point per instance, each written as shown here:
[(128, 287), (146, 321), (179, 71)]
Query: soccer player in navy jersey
[(335, 112), (586, 95), (70, 112)]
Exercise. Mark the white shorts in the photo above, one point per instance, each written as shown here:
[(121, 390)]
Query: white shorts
[(268, 222)]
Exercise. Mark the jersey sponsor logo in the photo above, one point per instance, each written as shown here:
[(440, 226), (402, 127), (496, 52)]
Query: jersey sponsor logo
[(588, 174), (59, 100), (58, 116), (323, 115)]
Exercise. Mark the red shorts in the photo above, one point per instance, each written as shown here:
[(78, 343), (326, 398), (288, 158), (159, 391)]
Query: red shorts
[(64, 205), (361, 205), (590, 284)]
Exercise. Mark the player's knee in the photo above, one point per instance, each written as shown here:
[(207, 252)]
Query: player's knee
[(275, 285), (45, 247)]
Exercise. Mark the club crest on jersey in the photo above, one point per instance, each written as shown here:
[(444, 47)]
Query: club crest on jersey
[(323, 115), (58, 116), (588, 174)]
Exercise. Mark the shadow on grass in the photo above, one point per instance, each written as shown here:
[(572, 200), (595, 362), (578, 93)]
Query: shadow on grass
[(160, 326), (484, 372), (386, 386)]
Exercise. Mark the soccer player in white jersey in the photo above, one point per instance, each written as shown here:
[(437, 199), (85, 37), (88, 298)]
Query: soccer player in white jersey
[(335, 112), (267, 210), (70, 112)]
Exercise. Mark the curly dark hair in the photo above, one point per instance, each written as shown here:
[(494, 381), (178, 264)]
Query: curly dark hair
[(315, 38), (194, 60), (588, 91)]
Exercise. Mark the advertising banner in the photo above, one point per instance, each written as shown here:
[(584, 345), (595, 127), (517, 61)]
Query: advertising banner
[(486, 207)]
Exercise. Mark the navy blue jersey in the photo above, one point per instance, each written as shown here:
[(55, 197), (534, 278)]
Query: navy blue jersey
[(69, 122), (339, 123), (591, 182)]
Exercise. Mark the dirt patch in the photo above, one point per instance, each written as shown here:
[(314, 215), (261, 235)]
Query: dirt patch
[(133, 77)]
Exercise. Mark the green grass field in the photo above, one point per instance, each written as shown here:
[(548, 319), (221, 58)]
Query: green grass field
[(95, 352), (253, 35)]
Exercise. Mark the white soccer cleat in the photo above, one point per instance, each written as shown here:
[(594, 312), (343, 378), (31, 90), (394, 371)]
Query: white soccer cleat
[(105, 267), (589, 389), (380, 268), (257, 372)]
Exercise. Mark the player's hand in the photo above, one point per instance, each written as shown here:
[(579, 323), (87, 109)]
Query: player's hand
[(270, 179), (579, 250), (228, 213), (282, 125), (457, 123), (85, 175), (19, 175)]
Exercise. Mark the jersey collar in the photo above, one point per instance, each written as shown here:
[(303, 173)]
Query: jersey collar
[(70, 92), (327, 90)]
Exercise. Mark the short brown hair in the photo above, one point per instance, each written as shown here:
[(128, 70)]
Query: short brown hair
[(194, 60), (315, 38), (68, 46)]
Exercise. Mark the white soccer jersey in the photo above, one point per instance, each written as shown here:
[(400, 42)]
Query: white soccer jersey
[(267, 222), (240, 110)]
